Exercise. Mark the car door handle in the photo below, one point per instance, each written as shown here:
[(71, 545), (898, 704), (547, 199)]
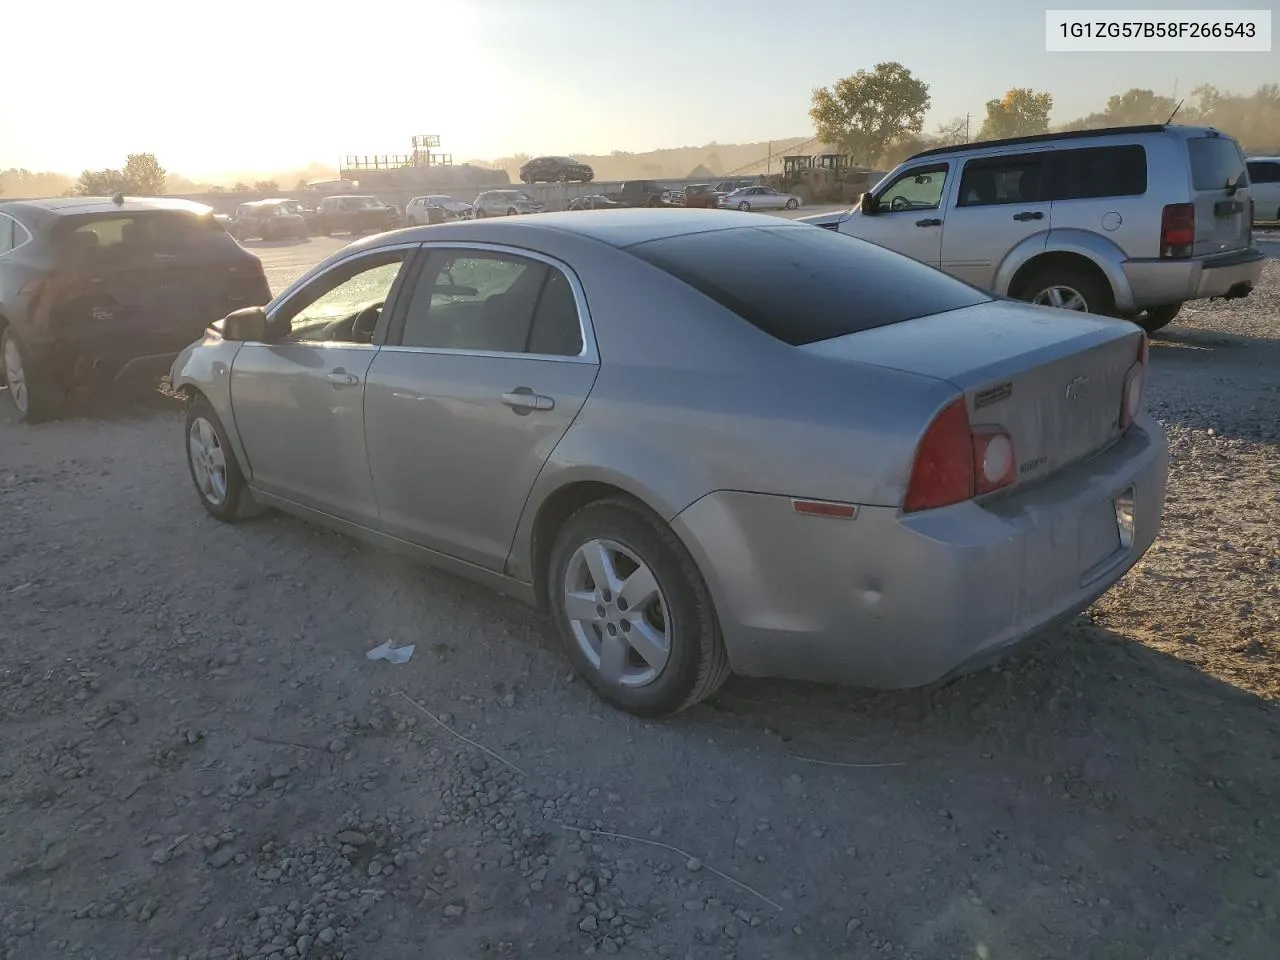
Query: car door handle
[(340, 378), (1028, 215), (522, 398), (929, 222)]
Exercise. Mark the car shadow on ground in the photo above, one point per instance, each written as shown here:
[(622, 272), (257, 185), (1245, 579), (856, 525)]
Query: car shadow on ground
[(127, 401)]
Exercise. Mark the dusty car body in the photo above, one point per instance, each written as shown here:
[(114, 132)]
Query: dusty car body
[(882, 478)]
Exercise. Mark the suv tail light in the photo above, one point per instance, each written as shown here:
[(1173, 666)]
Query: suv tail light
[(1134, 380), (956, 461), (1177, 230)]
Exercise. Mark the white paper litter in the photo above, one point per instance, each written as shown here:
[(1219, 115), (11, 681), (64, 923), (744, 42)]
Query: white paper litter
[(392, 654)]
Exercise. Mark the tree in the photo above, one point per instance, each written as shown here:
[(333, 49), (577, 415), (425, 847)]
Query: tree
[(241, 187), (1138, 106), (899, 151), (866, 113), (142, 176), (1019, 113), (266, 186), (953, 132)]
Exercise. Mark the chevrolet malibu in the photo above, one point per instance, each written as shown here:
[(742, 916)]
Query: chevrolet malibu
[(704, 442)]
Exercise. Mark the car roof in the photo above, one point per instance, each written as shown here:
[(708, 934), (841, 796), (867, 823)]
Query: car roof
[(69, 206), (617, 228), (1177, 129)]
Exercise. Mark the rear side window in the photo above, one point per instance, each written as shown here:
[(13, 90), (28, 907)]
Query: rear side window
[(1099, 172), (158, 230), (1012, 179), (805, 284), (1216, 162), (1264, 171)]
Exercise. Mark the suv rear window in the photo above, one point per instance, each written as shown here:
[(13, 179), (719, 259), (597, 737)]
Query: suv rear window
[(1216, 162), (152, 230), (803, 284)]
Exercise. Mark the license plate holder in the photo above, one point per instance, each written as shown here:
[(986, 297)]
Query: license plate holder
[(1105, 534)]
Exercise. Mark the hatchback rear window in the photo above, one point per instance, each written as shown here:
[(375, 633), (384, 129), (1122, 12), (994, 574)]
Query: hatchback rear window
[(1216, 162), (152, 230), (805, 284)]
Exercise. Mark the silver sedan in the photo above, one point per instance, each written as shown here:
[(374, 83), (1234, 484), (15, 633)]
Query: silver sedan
[(704, 442), (759, 198)]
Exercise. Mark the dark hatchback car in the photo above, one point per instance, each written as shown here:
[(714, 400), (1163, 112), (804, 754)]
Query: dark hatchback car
[(556, 169), (93, 289), (355, 215)]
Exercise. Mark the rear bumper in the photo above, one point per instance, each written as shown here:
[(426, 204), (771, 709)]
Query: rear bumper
[(1159, 282), (894, 602)]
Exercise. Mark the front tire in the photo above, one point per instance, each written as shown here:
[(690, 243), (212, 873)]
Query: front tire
[(480, 214), (216, 473), (793, 204), (744, 206), (1157, 318), (32, 390), (633, 611)]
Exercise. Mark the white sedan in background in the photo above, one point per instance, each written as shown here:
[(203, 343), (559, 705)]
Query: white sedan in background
[(759, 198), (416, 212)]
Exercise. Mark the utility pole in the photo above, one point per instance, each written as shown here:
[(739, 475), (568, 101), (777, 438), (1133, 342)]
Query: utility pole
[(966, 128), (768, 161)]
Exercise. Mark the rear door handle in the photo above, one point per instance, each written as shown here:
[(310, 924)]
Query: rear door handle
[(340, 378), (522, 398), (933, 222), (1027, 215)]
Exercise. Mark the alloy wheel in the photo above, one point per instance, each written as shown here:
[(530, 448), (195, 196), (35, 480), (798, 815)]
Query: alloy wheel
[(1062, 297), (208, 461), (15, 376), (617, 613)]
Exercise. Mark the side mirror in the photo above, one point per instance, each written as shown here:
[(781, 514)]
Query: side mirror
[(247, 324), (868, 205)]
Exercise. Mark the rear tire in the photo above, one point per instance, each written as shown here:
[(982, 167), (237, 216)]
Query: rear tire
[(34, 393), (675, 613), (744, 206), (793, 204), (1156, 318), (216, 473), (1068, 287)]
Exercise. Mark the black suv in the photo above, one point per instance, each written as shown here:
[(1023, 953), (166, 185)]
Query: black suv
[(93, 288), (556, 169), (355, 215)]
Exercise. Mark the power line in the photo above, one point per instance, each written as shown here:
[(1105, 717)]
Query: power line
[(766, 160)]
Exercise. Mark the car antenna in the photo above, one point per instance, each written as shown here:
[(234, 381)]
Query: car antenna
[(1175, 112), (118, 199)]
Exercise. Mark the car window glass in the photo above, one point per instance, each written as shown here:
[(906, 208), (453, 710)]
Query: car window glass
[(1216, 162), (1099, 172), (6, 234), (474, 301), (1264, 172), (988, 182), (917, 189), (557, 330), (344, 303)]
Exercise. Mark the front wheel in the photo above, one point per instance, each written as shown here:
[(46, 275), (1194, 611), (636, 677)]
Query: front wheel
[(633, 611), (213, 465), (793, 204), (512, 211), (480, 214), (744, 206)]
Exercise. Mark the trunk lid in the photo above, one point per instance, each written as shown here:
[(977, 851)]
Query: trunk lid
[(1053, 379), (1220, 195)]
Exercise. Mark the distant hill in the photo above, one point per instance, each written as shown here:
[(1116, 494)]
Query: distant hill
[(676, 162)]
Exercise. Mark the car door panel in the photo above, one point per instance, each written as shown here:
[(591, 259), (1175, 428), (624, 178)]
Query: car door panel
[(458, 429), (913, 225), (453, 460), (1000, 202)]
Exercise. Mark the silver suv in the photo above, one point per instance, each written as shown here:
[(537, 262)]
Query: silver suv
[(1125, 221)]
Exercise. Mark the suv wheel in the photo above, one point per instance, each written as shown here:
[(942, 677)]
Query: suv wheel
[(1067, 287), (1156, 318), (480, 214), (512, 211)]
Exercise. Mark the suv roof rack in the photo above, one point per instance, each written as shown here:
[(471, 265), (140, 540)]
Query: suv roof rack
[(1040, 138)]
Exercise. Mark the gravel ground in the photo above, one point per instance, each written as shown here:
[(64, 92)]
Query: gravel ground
[(197, 761)]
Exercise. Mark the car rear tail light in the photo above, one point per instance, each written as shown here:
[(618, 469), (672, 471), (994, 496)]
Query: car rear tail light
[(1134, 380), (1177, 230), (957, 461)]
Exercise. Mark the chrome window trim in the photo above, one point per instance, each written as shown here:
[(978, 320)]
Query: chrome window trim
[(590, 352), (17, 225)]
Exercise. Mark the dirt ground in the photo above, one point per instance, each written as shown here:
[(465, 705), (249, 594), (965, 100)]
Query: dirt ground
[(197, 760)]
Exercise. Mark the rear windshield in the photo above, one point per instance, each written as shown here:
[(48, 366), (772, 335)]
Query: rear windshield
[(156, 230), (1216, 162), (806, 284)]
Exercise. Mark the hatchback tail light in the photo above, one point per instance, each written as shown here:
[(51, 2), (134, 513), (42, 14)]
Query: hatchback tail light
[(1177, 230), (957, 461)]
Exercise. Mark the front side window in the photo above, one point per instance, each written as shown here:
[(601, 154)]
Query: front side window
[(1000, 180), (344, 304), (919, 188), (493, 303)]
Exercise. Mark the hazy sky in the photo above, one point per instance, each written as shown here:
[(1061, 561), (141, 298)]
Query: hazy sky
[(233, 85)]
